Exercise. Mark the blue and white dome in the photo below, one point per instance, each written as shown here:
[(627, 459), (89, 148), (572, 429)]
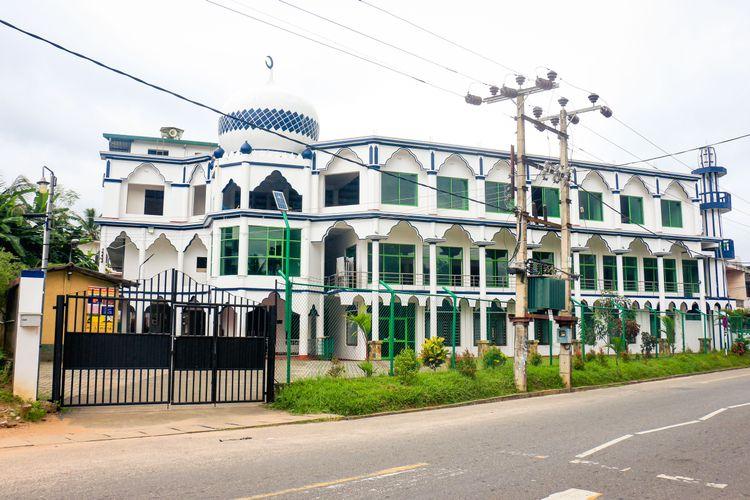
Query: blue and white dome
[(272, 108)]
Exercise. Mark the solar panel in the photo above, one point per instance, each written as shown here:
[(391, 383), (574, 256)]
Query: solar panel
[(280, 200)]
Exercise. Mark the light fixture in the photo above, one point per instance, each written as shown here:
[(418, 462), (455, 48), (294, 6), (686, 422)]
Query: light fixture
[(43, 184)]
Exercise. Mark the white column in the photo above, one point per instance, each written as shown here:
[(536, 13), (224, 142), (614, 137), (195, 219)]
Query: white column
[(215, 251), (243, 248), (658, 227), (620, 275), (28, 334), (481, 208), (575, 211), (617, 222), (702, 285), (374, 188), (305, 252), (433, 289), (314, 193), (482, 293), (466, 266), (375, 314), (181, 260), (577, 271), (660, 272), (432, 196)]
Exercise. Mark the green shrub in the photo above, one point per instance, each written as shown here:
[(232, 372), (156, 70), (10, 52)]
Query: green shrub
[(535, 359), (466, 364), (648, 344), (35, 413), (406, 366), (578, 363), (601, 357), (434, 353), (494, 358), (590, 356), (738, 348), (366, 367), (626, 356), (337, 368)]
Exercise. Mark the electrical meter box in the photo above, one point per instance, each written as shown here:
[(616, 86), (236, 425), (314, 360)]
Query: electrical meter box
[(564, 334)]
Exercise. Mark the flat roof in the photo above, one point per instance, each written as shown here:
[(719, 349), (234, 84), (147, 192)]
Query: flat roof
[(143, 138)]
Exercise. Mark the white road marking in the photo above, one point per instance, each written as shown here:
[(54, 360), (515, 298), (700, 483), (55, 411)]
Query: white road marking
[(668, 427), (590, 462), (712, 414), (690, 480), (574, 494), (602, 446), (738, 406)]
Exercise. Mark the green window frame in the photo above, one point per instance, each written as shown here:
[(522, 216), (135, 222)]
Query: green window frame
[(670, 275), (690, 277), (229, 251), (587, 264), (444, 323), (630, 273), (497, 267), (397, 263), (546, 257), (398, 188), (266, 251), (545, 198), (650, 275), (590, 206), (449, 269), (499, 197), (453, 193), (631, 209), (609, 272), (671, 213)]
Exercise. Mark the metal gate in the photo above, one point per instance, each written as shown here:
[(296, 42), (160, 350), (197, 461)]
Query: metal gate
[(170, 340)]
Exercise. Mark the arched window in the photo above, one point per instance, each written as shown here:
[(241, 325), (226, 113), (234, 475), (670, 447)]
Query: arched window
[(231, 196), (261, 198)]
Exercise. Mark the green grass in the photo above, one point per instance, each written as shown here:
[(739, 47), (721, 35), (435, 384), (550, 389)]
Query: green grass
[(362, 396)]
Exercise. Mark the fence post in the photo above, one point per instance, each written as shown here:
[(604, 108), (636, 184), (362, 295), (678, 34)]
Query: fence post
[(682, 322), (57, 356), (454, 299), (271, 322), (288, 323), (391, 324), (705, 339)]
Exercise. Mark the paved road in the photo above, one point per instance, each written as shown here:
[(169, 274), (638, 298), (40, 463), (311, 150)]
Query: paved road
[(517, 449)]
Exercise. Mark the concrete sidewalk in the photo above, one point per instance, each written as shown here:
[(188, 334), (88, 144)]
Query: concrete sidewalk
[(108, 423)]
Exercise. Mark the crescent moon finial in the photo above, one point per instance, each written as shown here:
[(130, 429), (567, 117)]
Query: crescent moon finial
[(269, 62)]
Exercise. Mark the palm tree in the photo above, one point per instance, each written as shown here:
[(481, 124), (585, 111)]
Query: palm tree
[(13, 225), (89, 226)]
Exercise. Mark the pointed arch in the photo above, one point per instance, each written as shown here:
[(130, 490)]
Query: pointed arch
[(261, 197), (337, 160), (636, 184), (594, 176), (400, 152), (146, 173), (452, 162), (678, 190)]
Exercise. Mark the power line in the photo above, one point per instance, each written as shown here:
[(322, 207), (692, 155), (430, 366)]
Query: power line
[(338, 49), (235, 118), (383, 42), (436, 35)]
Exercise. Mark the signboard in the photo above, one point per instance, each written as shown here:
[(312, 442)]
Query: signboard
[(100, 310)]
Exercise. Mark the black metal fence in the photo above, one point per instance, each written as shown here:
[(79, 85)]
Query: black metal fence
[(168, 340)]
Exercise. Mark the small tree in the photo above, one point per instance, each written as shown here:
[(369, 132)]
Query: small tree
[(668, 327), (648, 344), (434, 353), (406, 366), (362, 319)]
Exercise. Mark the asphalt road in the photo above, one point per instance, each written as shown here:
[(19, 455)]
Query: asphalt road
[(516, 449)]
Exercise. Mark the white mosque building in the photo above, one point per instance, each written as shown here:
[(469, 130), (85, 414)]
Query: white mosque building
[(207, 210)]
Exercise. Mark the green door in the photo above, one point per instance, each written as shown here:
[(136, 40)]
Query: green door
[(403, 329)]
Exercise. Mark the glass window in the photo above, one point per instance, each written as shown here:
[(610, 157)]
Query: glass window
[(120, 145), (453, 193), (266, 249), (499, 197), (230, 197), (497, 267), (631, 209), (398, 188), (590, 206), (449, 265), (230, 250), (342, 189), (396, 263), (671, 213), (690, 276), (630, 273), (543, 258), (545, 200), (650, 275), (158, 152), (609, 268), (153, 202), (201, 263), (588, 272), (670, 275)]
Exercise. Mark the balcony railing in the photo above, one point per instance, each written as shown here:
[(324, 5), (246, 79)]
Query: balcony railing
[(363, 279), (641, 287), (716, 200)]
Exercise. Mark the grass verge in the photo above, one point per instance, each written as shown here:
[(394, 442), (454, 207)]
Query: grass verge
[(362, 396)]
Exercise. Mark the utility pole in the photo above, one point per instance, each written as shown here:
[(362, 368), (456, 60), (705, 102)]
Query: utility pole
[(521, 318)]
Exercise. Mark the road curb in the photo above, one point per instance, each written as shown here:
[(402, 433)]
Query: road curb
[(338, 418)]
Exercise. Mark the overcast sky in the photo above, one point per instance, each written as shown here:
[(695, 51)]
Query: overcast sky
[(676, 71)]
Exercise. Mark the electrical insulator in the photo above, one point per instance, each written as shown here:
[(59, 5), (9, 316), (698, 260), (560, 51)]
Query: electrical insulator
[(606, 111), (494, 89), (520, 79), (508, 92), (555, 120), (539, 127), (551, 75), (562, 101), (543, 83), (593, 98), (473, 99), (574, 119), (537, 112)]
